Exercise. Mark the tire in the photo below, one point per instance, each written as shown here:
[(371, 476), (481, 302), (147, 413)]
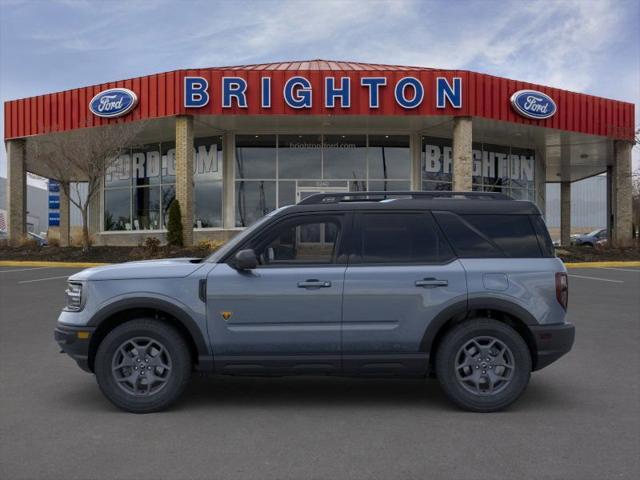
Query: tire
[(472, 382), (143, 365)]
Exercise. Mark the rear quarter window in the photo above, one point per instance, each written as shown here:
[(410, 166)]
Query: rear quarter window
[(487, 236)]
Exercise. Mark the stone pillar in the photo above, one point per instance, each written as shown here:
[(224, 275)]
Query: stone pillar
[(565, 214), (462, 154), (16, 191), (621, 234), (228, 180), (184, 174), (65, 216), (415, 147)]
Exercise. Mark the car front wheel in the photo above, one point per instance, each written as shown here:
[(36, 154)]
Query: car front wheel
[(143, 365), (483, 365)]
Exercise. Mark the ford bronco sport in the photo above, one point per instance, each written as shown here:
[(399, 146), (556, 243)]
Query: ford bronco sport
[(461, 286)]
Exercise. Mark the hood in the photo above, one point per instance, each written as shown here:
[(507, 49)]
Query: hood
[(165, 268)]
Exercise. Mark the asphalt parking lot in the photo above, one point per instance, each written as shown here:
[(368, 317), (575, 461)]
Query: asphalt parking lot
[(579, 419)]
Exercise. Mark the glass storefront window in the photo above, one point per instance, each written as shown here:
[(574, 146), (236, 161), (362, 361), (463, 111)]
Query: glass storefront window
[(496, 168), (117, 209), (345, 157), (254, 199), (389, 156), (255, 156), (208, 205), (145, 165), (146, 208), (168, 195), (150, 171), (300, 156)]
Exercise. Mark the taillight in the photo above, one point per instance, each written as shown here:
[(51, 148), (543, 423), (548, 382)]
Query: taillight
[(562, 289)]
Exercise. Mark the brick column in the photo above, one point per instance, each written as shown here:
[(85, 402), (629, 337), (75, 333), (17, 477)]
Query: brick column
[(184, 174), (415, 147), (228, 181), (462, 154), (565, 213), (621, 234), (16, 191), (65, 216)]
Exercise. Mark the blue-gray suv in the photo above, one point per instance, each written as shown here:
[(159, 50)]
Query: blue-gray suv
[(461, 286)]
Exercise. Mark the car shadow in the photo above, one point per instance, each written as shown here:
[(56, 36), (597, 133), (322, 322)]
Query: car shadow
[(205, 392)]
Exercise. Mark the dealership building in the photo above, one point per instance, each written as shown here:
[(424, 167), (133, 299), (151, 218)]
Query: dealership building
[(234, 143)]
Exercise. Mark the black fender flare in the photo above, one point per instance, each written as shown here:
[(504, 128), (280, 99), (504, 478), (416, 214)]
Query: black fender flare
[(153, 303), (461, 308)]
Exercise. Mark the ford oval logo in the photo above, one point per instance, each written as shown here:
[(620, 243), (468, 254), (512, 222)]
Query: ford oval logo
[(533, 104), (114, 102)]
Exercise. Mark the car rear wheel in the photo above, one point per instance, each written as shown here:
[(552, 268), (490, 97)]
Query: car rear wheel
[(483, 365), (143, 365)]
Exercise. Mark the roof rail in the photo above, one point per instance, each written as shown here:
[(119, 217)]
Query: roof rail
[(319, 198)]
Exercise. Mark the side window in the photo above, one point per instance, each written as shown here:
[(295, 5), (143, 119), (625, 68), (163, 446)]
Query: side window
[(467, 241), (401, 238), (544, 240), (306, 240), (486, 236), (513, 234)]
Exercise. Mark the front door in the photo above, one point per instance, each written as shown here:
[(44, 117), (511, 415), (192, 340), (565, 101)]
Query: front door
[(402, 274), (285, 315)]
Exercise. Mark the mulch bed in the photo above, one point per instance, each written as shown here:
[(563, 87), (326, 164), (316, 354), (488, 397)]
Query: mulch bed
[(97, 254), (126, 254)]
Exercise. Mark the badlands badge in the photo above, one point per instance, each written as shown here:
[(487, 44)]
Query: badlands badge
[(226, 315)]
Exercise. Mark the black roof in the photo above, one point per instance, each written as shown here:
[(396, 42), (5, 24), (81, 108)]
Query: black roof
[(457, 202)]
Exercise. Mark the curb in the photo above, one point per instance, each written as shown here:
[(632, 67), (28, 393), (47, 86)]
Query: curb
[(601, 264), (29, 263)]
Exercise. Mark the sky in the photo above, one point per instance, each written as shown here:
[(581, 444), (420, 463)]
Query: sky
[(589, 46)]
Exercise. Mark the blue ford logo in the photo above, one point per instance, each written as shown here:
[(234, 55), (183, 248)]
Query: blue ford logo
[(114, 102), (533, 104)]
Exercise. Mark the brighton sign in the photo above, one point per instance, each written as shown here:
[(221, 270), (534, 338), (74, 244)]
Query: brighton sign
[(298, 93), (533, 104), (113, 103)]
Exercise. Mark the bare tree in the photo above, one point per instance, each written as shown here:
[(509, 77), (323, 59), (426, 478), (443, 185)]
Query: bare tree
[(82, 156)]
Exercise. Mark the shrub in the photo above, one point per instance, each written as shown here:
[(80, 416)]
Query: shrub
[(209, 245), (54, 242), (174, 226), (152, 245)]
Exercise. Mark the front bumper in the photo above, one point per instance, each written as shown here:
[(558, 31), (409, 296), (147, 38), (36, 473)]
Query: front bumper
[(74, 341), (552, 342)]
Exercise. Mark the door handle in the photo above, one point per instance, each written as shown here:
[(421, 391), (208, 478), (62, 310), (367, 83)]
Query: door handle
[(313, 283), (431, 283)]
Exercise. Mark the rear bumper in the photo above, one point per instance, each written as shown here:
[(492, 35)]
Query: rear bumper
[(552, 342), (74, 345)]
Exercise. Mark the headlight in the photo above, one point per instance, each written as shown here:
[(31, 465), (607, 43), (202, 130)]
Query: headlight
[(74, 297)]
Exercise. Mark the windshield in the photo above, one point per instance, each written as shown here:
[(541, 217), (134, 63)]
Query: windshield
[(594, 233), (231, 244)]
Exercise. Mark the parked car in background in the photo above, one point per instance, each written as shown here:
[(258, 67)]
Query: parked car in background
[(589, 239)]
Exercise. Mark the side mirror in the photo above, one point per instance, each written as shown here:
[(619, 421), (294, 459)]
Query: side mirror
[(245, 260)]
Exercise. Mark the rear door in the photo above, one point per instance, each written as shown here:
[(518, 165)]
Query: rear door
[(402, 274)]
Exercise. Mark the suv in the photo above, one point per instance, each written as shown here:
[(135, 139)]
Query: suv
[(461, 286)]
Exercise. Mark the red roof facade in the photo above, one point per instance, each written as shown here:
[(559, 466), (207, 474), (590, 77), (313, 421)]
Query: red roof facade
[(161, 95)]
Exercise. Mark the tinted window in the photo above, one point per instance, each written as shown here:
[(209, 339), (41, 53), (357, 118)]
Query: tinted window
[(467, 241), (513, 234), (401, 238), (544, 240), (302, 241), (484, 236)]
